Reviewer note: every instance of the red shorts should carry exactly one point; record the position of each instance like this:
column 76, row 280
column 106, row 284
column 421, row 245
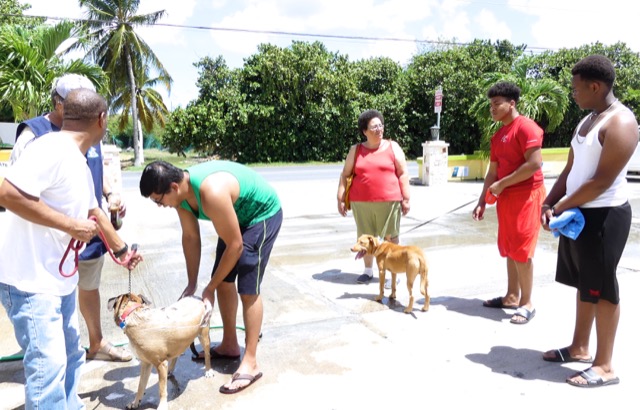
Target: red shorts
column 519, row 222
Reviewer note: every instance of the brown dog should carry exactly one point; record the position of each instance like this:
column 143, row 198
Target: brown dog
column 396, row 259
column 158, row 336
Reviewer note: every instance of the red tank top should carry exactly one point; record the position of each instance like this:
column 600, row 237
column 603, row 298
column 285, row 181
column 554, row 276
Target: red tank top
column 375, row 178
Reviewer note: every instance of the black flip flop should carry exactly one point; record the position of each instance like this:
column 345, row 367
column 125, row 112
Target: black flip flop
column 238, row 376
column 196, row 357
column 497, row 303
column 563, row 356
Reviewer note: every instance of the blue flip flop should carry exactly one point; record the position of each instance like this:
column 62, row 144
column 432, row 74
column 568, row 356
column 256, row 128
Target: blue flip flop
column 593, row 379
column 525, row 313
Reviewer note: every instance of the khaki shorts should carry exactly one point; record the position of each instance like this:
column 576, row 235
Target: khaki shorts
column 89, row 273
column 372, row 217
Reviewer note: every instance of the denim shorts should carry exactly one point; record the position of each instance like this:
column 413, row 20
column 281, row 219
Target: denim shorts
column 46, row 328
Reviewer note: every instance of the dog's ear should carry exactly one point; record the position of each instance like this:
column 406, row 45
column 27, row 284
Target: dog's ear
column 145, row 300
column 111, row 304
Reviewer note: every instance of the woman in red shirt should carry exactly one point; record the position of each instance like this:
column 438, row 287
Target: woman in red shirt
column 379, row 193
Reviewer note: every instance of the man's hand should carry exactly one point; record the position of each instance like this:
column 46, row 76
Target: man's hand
column 496, row 188
column 188, row 291
column 135, row 258
column 545, row 218
column 83, row 229
column 116, row 203
column 478, row 212
column 209, row 296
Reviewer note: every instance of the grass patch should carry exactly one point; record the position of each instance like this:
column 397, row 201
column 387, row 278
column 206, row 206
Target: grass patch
column 153, row 154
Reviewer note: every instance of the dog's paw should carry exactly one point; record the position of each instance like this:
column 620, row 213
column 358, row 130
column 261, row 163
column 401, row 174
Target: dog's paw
column 408, row 310
column 379, row 298
column 208, row 374
column 133, row 405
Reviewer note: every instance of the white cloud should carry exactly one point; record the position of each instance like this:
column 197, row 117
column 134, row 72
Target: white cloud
column 457, row 27
column 577, row 22
column 58, row 8
column 357, row 18
column 490, row 27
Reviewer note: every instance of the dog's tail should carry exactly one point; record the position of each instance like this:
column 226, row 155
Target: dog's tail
column 424, row 282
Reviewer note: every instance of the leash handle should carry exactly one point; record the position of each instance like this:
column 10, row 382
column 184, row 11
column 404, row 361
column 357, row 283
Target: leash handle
column 76, row 245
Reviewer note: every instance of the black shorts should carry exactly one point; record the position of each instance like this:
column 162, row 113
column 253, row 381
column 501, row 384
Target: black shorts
column 590, row 262
column 258, row 240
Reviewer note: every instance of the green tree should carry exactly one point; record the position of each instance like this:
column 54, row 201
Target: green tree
column 286, row 104
column 381, row 85
column 557, row 65
column 203, row 123
column 151, row 107
column 456, row 69
column 541, row 99
column 116, row 47
column 298, row 103
column 32, row 59
column 10, row 12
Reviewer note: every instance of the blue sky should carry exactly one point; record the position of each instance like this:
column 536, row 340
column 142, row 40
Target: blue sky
column 540, row 24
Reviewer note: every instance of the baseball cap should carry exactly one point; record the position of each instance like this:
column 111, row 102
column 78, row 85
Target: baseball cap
column 63, row 85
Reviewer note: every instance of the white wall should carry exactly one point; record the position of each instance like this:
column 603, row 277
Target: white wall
column 8, row 132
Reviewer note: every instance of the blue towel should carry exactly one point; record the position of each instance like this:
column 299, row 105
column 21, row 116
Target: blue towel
column 569, row 223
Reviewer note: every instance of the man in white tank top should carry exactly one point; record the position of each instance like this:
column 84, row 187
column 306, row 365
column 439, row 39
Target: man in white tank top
column 594, row 180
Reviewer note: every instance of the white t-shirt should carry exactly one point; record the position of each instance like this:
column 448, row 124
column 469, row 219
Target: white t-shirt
column 26, row 136
column 54, row 170
column 586, row 156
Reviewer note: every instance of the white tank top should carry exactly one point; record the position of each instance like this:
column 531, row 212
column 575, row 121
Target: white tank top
column 586, row 156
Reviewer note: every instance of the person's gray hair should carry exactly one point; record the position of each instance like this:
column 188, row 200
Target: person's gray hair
column 83, row 104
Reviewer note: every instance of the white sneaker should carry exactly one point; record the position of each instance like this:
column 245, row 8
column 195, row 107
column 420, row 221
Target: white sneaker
column 387, row 283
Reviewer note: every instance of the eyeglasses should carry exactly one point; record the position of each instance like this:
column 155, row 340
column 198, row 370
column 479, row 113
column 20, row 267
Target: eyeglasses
column 376, row 127
column 158, row 201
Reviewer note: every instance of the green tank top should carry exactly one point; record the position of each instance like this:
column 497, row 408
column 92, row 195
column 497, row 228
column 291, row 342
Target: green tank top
column 257, row 201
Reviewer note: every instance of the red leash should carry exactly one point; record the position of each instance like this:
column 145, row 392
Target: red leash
column 76, row 245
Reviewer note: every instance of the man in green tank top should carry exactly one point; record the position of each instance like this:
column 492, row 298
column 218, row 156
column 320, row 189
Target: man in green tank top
column 246, row 214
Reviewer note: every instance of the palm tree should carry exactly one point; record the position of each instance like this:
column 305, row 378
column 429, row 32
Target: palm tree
column 541, row 99
column 151, row 107
column 30, row 59
column 116, row 47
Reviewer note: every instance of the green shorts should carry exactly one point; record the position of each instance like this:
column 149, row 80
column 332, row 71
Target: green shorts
column 380, row 219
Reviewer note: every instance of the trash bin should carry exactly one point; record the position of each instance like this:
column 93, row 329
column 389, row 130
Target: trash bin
column 435, row 133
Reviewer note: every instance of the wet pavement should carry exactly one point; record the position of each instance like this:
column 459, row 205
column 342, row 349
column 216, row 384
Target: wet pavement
column 328, row 345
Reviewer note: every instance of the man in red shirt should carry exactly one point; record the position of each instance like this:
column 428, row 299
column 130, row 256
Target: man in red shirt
column 515, row 179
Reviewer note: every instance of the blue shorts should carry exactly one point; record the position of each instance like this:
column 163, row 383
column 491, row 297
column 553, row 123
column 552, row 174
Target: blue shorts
column 258, row 240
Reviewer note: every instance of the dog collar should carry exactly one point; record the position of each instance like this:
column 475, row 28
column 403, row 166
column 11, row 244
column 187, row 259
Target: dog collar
column 127, row 312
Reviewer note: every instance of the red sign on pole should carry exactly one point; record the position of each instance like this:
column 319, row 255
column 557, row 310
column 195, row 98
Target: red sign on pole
column 437, row 105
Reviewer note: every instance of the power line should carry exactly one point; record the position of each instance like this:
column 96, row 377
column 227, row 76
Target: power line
column 283, row 33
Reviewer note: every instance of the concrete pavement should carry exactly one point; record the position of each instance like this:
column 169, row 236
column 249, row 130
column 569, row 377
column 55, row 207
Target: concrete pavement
column 328, row 345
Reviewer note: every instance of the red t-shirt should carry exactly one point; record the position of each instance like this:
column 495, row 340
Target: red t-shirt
column 508, row 146
column 375, row 177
